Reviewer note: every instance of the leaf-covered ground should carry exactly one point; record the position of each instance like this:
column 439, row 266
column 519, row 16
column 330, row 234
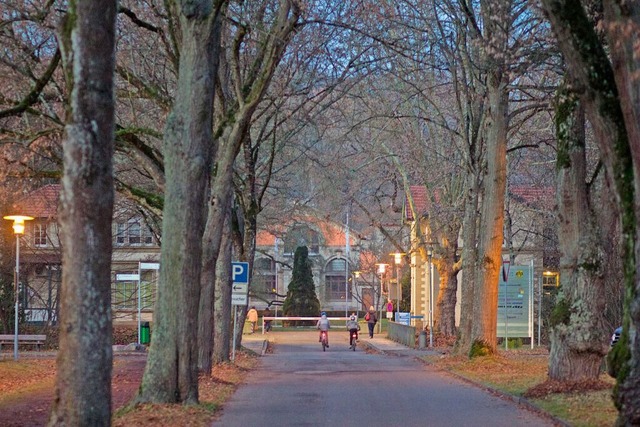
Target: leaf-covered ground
column 27, row 391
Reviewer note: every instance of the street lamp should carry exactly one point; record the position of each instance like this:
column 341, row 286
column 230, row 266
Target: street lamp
column 397, row 258
column 381, row 270
column 430, row 254
column 18, row 229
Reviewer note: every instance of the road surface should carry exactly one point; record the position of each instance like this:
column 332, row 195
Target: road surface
column 300, row 385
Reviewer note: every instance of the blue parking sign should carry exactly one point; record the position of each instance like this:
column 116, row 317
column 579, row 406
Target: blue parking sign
column 240, row 272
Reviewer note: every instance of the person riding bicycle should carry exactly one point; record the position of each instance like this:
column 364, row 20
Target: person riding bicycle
column 353, row 327
column 323, row 325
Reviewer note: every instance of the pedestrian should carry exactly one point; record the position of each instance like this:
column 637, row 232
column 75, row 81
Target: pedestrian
column 353, row 327
column 267, row 323
column 252, row 317
column 371, row 320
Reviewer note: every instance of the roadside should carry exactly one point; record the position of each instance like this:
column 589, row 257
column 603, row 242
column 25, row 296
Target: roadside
column 519, row 375
column 26, row 389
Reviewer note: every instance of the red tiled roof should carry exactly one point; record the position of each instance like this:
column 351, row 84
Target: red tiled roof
column 40, row 203
column 421, row 201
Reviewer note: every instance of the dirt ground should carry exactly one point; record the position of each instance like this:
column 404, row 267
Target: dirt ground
column 31, row 407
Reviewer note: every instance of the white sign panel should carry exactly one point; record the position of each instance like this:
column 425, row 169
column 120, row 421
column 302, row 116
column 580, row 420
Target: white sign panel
column 240, row 288
column 149, row 266
column 239, row 299
column 127, row 277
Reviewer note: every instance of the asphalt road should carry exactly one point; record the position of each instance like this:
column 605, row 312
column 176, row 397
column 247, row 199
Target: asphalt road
column 300, row 385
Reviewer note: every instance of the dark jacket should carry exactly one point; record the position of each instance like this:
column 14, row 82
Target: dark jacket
column 372, row 317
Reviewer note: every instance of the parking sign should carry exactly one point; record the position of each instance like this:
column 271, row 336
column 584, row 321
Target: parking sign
column 240, row 272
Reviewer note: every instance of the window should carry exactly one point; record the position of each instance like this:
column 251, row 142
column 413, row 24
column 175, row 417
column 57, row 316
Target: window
column 124, row 295
column 133, row 232
column 335, row 280
column 124, row 292
column 264, row 278
column 40, row 234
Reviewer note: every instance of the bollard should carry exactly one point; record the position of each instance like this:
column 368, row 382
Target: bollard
column 422, row 339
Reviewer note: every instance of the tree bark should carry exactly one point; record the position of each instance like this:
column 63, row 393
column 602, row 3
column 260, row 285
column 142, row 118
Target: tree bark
column 447, row 297
column 84, row 361
column 588, row 64
column 222, row 304
column 485, row 297
column 623, row 25
column 171, row 373
column 577, row 335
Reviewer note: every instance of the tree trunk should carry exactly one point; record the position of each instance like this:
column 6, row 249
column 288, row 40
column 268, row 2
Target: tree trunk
column 624, row 19
column 469, row 262
column 171, row 373
column 485, row 306
column 84, row 361
column 588, row 64
column 447, row 298
column 222, row 304
column 577, row 341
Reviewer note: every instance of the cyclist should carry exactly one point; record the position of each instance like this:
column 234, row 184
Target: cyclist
column 353, row 326
column 323, row 325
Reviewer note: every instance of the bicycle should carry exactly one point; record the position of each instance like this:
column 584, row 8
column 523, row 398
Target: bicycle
column 324, row 339
column 353, row 338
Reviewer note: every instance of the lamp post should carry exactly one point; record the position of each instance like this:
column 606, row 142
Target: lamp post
column 381, row 270
column 397, row 258
column 18, row 229
column 430, row 254
column 356, row 275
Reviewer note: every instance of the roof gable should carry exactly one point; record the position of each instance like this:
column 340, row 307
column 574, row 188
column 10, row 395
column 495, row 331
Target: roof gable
column 40, row 203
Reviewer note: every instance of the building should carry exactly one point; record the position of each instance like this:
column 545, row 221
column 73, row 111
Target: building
column 532, row 240
column 336, row 253
column 136, row 255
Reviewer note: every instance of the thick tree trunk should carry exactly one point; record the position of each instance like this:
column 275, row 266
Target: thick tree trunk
column 589, row 65
column 171, row 373
column 485, row 305
column 83, row 381
column 577, row 340
column 623, row 19
column 447, row 297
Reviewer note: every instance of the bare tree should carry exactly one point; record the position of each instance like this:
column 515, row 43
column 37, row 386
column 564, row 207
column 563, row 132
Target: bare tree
column 610, row 96
column 83, row 380
column 577, row 344
column 171, row 372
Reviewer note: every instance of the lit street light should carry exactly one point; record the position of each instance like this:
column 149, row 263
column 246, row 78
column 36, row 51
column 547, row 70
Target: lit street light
column 381, row 270
column 18, row 229
column 397, row 258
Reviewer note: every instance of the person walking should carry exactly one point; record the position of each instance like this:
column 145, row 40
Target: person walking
column 371, row 320
column 267, row 323
column 252, row 317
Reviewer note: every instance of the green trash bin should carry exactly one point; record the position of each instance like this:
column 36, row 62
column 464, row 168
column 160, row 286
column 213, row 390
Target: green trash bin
column 145, row 333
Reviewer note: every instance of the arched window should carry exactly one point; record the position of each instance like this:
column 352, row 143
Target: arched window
column 335, row 280
column 301, row 235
